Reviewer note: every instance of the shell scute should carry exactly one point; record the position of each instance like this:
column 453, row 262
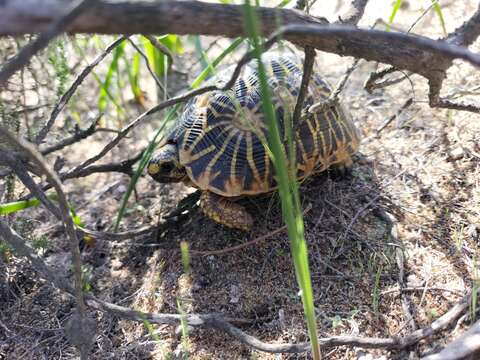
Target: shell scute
column 221, row 136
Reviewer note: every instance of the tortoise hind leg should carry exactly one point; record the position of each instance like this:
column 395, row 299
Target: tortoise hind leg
column 225, row 212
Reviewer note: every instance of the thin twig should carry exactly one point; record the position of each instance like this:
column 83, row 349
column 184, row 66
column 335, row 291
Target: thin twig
column 394, row 116
column 123, row 166
column 147, row 63
column 406, row 304
column 23, row 57
column 307, row 74
column 425, row 12
column 71, row 90
column 241, row 246
column 78, row 136
column 333, row 97
column 419, row 288
column 372, row 82
column 246, row 244
column 165, row 50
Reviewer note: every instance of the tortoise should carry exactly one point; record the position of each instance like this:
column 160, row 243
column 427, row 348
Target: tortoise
column 218, row 144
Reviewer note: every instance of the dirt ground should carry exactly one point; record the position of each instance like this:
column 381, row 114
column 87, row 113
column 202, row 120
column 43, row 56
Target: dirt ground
column 414, row 190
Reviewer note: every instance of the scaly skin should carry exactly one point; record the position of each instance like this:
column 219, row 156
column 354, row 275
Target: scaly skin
column 226, row 212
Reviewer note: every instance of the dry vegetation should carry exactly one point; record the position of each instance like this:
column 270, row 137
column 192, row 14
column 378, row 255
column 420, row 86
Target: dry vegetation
column 414, row 190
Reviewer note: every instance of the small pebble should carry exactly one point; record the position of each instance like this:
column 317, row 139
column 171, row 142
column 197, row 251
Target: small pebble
column 456, row 154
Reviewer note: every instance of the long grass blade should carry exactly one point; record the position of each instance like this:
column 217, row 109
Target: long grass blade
column 210, row 67
column 438, row 10
column 15, row 206
column 142, row 164
column 133, row 70
column 105, row 86
column 199, row 50
column 288, row 188
column 395, row 9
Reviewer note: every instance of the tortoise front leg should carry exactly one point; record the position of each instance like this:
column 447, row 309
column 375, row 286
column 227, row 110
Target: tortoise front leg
column 225, row 211
column 343, row 168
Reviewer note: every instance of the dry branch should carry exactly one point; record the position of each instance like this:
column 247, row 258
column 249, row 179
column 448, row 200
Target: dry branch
column 415, row 53
column 76, row 137
column 69, row 12
column 466, row 345
column 354, row 13
column 84, row 335
column 307, row 73
column 427, row 57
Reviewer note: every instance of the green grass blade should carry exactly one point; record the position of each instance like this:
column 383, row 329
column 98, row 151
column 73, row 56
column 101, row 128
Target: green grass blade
column 157, row 60
column 199, row 50
column 284, row 3
column 288, row 189
column 133, row 69
column 15, row 206
column 184, row 250
column 142, row 164
column 209, row 68
column 395, row 9
column 149, row 52
column 105, row 86
column 438, row 10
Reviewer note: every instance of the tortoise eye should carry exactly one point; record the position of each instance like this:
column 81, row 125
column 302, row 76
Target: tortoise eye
column 167, row 167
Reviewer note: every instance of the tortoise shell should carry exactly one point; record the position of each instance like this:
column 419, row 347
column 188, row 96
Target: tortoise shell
column 220, row 136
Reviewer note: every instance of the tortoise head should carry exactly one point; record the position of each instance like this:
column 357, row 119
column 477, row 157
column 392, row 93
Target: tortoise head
column 165, row 166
